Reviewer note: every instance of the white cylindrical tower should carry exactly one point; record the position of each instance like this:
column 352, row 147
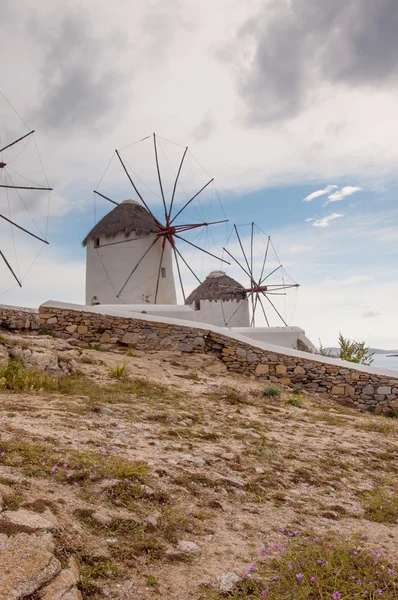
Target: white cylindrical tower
column 124, row 263
column 221, row 301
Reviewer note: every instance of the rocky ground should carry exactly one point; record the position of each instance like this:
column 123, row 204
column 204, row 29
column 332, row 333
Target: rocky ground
column 126, row 475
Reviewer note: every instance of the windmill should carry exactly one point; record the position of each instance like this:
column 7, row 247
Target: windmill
column 267, row 278
column 7, row 186
column 166, row 232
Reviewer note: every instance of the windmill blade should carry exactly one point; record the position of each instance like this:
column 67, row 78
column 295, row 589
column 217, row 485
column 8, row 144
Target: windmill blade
column 250, row 271
column 159, row 178
column 16, row 141
column 128, row 209
column 179, row 274
column 23, row 229
column 175, row 182
column 159, row 270
column 265, row 258
column 272, row 272
column 237, row 262
column 275, row 309
column 24, row 187
column 132, row 183
column 10, row 268
column 263, row 309
column 189, row 201
column 197, row 278
column 201, row 249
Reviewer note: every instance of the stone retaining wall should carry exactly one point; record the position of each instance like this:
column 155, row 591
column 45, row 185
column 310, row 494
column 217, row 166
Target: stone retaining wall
column 356, row 386
column 15, row 317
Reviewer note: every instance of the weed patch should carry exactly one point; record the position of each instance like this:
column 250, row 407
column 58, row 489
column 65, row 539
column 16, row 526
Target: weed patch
column 294, row 400
column 232, row 395
column 271, row 391
column 314, row 568
column 381, row 505
column 69, row 465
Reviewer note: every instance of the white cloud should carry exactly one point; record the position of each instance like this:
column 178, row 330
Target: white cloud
column 318, row 193
column 370, row 314
column 343, row 193
column 352, row 279
column 325, row 221
column 309, row 220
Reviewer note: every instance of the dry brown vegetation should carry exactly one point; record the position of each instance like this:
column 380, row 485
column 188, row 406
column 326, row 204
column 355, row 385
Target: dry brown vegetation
column 140, row 453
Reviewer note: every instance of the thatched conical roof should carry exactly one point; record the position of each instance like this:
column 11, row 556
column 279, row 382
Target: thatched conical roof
column 217, row 286
column 127, row 217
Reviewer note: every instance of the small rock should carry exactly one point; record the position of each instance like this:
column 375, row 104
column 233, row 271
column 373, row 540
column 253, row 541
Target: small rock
column 234, row 481
column 153, row 519
column 111, row 541
column 63, row 587
column 148, row 491
column 26, row 564
column 101, row 517
column 228, row 456
column 259, row 470
column 196, row 460
column 227, row 581
column 105, row 411
column 141, row 426
column 27, row 520
column 108, row 483
column 189, row 547
column 330, row 514
column 185, row 413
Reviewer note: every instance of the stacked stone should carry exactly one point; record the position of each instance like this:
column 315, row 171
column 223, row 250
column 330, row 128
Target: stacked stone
column 18, row 318
column 106, row 330
column 355, row 387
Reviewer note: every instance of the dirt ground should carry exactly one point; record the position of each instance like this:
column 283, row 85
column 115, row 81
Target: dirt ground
column 227, row 469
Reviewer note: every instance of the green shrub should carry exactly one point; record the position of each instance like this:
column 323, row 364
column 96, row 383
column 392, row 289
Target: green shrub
column 271, row 391
column 119, row 371
column 352, row 351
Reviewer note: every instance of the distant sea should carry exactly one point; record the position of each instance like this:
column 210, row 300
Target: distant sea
column 382, row 361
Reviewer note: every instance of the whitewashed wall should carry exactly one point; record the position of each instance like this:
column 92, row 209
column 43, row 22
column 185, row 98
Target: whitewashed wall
column 108, row 267
column 234, row 313
column 280, row 336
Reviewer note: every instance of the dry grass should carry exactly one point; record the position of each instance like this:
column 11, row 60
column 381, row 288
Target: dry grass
column 316, row 568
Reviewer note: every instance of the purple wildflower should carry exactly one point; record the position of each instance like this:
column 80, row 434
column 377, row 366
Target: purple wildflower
column 299, row 576
column 336, row 595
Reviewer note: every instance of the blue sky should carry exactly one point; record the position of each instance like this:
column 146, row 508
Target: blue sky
column 271, row 133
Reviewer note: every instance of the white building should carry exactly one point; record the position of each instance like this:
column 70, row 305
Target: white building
column 220, row 301
column 123, row 259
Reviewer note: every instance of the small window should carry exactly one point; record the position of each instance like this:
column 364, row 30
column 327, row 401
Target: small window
column 96, row 242
column 163, row 272
column 197, row 304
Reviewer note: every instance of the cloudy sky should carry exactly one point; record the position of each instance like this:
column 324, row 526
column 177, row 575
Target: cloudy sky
column 290, row 105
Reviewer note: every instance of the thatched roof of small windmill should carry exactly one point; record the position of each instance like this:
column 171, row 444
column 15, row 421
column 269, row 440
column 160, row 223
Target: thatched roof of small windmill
column 127, row 217
column 217, row 286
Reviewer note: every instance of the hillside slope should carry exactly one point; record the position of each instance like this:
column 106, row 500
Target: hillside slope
column 125, row 476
